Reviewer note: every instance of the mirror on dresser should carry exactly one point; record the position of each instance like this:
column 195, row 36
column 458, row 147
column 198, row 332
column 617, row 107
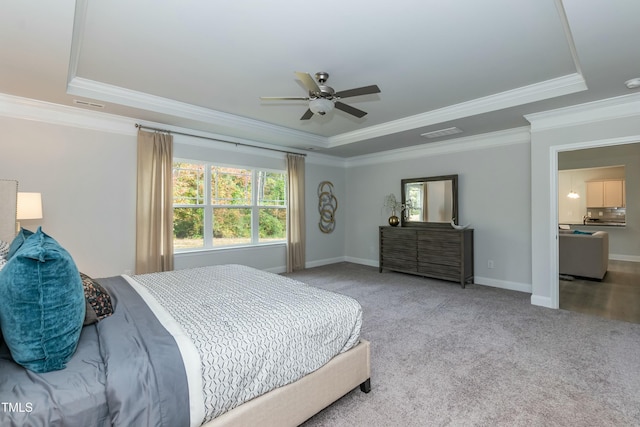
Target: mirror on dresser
column 430, row 201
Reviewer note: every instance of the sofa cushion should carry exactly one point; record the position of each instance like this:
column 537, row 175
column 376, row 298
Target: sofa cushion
column 42, row 304
column 584, row 255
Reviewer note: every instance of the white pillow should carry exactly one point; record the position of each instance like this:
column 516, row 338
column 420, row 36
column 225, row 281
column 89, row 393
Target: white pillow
column 2, row 262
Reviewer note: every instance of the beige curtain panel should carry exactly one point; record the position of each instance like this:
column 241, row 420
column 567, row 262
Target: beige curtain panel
column 154, row 208
column 296, row 215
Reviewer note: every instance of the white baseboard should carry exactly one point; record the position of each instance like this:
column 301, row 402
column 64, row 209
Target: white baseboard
column 321, row 262
column 363, row 261
column 632, row 258
column 502, row 284
column 541, row 301
column 327, row 261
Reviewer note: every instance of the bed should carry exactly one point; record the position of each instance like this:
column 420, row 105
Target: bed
column 211, row 346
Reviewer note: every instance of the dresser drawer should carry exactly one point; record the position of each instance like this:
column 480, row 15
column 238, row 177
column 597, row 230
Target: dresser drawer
column 398, row 234
column 438, row 238
column 441, row 253
column 439, row 271
column 400, row 264
column 440, row 258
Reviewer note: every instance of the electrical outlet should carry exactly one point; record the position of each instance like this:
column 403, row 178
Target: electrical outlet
column 600, row 213
column 490, row 263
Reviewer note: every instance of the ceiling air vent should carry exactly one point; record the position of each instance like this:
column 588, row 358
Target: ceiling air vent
column 441, row 132
column 87, row 103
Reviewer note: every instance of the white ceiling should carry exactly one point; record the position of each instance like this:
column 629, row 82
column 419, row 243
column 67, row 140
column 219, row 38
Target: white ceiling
column 201, row 65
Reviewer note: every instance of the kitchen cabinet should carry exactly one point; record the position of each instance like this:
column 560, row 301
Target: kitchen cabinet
column 605, row 193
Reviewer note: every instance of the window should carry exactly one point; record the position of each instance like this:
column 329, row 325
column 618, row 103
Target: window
column 219, row 206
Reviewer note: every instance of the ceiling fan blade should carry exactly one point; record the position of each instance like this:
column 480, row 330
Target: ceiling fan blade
column 308, row 82
column 349, row 109
column 365, row 90
column 307, row 115
column 285, row 98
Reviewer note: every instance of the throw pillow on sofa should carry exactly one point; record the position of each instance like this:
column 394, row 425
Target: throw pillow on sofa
column 42, row 304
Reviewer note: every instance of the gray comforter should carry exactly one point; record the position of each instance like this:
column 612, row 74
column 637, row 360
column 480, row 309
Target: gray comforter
column 126, row 371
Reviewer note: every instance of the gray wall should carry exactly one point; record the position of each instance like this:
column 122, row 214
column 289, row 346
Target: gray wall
column 325, row 248
column 87, row 179
column 549, row 136
column 493, row 185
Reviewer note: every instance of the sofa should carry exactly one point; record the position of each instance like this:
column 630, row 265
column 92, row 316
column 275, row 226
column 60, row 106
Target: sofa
column 583, row 254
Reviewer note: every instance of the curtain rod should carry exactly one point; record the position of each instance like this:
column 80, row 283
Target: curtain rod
column 139, row 126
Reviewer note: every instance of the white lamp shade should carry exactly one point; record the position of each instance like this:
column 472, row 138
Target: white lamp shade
column 29, row 206
column 321, row 106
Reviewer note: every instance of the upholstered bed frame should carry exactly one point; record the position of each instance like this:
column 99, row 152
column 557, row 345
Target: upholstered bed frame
column 294, row 403
column 8, row 208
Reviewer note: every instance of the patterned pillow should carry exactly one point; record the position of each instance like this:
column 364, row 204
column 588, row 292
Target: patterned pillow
column 98, row 299
column 4, row 249
column 2, row 263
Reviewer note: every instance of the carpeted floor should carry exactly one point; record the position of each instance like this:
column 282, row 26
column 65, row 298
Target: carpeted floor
column 446, row 356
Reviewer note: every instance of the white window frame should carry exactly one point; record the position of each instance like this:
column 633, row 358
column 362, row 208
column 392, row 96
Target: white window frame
column 208, row 207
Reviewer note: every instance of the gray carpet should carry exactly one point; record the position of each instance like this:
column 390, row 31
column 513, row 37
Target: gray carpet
column 446, row 356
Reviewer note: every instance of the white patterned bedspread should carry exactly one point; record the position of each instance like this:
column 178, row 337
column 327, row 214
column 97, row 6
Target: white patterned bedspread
column 254, row 331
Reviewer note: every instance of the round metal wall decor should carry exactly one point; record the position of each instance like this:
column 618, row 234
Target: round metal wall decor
column 327, row 206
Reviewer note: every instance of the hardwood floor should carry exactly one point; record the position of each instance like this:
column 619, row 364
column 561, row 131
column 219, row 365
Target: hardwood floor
column 617, row 296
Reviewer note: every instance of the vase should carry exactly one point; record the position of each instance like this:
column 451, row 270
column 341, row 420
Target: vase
column 393, row 219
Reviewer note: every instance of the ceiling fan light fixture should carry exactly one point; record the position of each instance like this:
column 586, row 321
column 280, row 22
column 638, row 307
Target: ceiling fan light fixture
column 321, row 106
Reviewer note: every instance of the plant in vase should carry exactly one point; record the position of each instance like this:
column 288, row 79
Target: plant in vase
column 391, row 203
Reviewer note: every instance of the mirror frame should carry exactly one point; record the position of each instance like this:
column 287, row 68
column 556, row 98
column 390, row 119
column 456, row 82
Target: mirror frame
column 454, row 201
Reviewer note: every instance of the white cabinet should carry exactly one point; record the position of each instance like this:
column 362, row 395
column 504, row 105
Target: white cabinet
column 605, row 193
column 613, row 193
column 595, row 194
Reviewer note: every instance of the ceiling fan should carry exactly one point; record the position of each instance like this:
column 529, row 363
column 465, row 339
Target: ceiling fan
column 322, row 98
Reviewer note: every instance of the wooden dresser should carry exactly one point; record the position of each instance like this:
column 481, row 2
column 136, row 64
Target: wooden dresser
column 441, row 253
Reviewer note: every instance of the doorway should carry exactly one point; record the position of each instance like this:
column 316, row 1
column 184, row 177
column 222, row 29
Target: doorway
column 617, row 295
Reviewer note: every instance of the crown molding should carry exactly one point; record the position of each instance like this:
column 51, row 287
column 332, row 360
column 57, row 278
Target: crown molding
column 48, row 112
column 605, row 109
column 41, row 111
column 536, row 92
column 118, row 95
column 520, row 135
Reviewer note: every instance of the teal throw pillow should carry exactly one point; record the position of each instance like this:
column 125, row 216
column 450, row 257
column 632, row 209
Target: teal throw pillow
column 42, row 304
column 17, row 242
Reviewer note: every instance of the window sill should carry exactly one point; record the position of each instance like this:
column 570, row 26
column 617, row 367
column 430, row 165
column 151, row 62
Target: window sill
column 201, row 251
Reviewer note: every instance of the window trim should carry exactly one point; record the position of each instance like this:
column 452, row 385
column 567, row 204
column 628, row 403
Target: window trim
column 208, row 208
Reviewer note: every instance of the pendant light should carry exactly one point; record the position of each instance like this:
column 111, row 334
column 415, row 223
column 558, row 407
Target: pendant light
column 572, row 194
